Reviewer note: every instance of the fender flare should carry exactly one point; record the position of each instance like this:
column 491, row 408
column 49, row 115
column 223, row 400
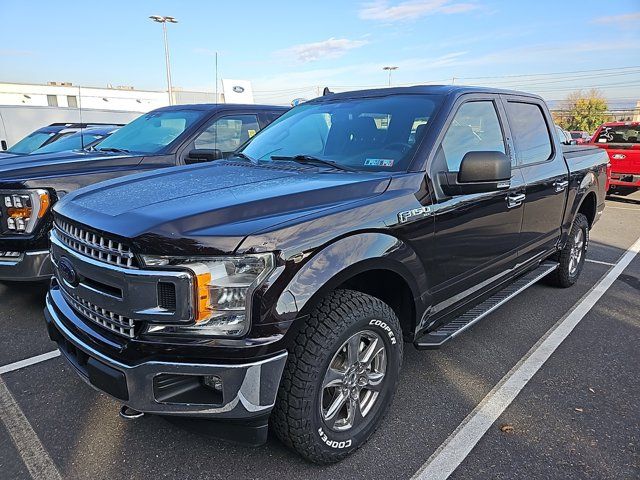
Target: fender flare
column 588, row 185
column 349, row 256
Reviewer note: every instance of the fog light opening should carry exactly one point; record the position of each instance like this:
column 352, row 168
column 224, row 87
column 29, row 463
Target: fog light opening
column 213, row 382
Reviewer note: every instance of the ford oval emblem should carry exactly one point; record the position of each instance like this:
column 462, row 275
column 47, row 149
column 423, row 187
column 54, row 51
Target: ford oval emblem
column 67, row 272
column 238, row 89
column 618, row 156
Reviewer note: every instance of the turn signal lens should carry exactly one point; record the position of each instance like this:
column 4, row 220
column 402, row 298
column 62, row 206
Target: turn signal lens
column 45, row 203
column 203, row 280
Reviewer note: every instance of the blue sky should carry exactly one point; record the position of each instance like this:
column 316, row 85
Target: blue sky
column 290, row 48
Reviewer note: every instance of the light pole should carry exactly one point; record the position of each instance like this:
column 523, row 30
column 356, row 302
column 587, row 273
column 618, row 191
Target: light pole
column 389, row 69
column 164, row 20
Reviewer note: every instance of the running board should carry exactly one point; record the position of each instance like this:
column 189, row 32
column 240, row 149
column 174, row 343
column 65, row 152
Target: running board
column 436, row 338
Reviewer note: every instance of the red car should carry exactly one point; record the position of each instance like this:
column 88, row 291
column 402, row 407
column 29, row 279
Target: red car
column 620, row 140
column 580, row 136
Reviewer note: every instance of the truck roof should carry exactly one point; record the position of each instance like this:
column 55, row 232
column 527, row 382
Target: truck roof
column 423, row 89
column 220, row 107
column 620, row 124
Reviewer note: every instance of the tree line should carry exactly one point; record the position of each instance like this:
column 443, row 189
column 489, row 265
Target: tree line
column 584, row 111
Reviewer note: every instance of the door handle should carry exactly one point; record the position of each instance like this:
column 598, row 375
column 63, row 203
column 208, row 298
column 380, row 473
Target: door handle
column 515, row 200
column 561, row 185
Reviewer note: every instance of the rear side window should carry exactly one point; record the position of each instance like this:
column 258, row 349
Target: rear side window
column 474, row 128
column 530, row 133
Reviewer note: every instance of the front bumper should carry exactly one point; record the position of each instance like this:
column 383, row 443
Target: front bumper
column 168, row 388
column 28, row 267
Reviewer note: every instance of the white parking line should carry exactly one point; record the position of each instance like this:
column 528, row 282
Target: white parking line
column 600, row 262
column 455, row 449
column 29, row 361
column 30, row 449
column 624, row 208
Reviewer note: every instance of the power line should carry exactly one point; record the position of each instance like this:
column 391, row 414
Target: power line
column 562, row 77
column 553, row 73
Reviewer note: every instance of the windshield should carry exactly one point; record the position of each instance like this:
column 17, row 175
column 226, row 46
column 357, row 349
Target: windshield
column 31, row 142
column 619, row 134
column 151, row 132
column 71, row 142
column 368, row 134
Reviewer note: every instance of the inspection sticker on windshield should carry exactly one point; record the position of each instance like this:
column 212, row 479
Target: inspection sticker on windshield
column 378, row 162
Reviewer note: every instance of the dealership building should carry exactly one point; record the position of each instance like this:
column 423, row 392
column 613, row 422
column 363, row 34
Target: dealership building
column 126, row 98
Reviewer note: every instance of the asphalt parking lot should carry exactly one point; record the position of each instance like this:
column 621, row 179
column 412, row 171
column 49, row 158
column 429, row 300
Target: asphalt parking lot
column 578, row 416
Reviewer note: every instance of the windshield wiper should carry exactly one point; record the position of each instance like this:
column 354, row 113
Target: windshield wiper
column 112, row 149
column 311, row 160
column 244, row 156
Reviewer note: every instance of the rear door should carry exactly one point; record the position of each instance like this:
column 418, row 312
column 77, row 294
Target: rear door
column 540, row 159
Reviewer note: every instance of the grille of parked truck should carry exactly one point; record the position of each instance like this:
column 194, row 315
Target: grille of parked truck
column 282, row 283
column 165, row 137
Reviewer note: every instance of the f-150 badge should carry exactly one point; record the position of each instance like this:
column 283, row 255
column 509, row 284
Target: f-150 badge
column 404, row 217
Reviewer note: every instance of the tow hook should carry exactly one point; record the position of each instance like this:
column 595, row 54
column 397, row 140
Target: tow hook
column 129, row 413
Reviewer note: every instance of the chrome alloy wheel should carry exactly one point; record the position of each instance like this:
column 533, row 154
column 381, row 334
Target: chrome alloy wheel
column 577, row 251
column 353, row 381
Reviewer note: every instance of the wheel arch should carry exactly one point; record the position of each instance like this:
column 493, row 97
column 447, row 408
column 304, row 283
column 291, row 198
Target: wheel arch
column 369, row 263
column 588, row 207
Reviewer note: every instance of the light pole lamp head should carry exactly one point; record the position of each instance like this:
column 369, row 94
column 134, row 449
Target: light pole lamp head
column 163, row 19
column 389, row 68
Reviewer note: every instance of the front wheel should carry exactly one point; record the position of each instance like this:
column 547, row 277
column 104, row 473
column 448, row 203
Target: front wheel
column 571, row 258
column 340, row 377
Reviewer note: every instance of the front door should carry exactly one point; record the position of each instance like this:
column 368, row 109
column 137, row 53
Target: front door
column 476, row 235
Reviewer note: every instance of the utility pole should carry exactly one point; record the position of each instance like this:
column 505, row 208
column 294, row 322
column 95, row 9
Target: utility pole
column 164, row 20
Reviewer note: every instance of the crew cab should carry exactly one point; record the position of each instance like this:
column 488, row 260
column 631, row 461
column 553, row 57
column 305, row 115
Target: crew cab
column 621, row 140
column 283, row 283
column 165, row 137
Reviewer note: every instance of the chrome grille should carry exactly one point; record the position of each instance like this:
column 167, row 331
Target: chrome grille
column 94, row 245
column 114, row 322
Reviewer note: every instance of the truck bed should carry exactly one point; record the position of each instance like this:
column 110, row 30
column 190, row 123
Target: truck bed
column 573, row 151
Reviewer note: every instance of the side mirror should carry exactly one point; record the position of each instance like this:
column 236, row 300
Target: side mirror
column 479, row 172
column 200, row 155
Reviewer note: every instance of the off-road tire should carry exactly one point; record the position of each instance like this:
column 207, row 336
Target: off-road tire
column 562, row 276
column 297, row 418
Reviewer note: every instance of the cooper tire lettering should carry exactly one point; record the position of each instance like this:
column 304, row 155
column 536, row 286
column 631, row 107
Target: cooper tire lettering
column 334, row 443
column 386, row 328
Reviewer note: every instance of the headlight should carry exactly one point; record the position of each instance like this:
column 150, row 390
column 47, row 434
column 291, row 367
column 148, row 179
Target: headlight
column 20, row 210
column 224, row 287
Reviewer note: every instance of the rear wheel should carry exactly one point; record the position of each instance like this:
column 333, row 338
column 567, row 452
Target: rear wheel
column 572, row 256
column 340, row 377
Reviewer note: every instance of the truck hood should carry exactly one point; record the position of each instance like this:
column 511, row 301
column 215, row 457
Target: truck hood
column 29, row 167
column 211, row 208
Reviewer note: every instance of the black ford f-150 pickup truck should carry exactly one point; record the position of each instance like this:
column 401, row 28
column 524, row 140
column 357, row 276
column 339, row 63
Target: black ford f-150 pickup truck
column 281, row 284
column 165, row 137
